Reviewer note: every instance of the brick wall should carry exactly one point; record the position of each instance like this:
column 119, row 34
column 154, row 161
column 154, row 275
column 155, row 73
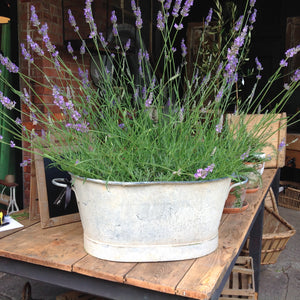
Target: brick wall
column 51, row 12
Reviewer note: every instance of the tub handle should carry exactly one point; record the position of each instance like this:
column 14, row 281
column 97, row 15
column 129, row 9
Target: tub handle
column 239, row 183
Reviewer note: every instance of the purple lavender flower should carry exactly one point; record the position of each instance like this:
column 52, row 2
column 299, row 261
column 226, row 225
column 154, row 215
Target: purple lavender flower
column 115, row 30
column 183, row 48
column 11, row 67
column 281, row 145
column 127, row 45
column 122, row 125
column 34, row 18
column 44, row 32
column 35, row 47
column 252, row 3
column 1, row 137
column 176, row 8
column 26, row 54
column 18, row 121
column 252, row 18
column 113, row 17
column 25, row 163
column 208, row 18
column 82, row 48
column 220, row 94
column 296, row 76
column 133, row 5
column 6, row 102
column 139, row 21
column 160, row 21
column 292, row 52
column 149, row 100
column 70, row 49
column 230, row 68
column 210, row 168
column 283, row 63
column 202, row 173
column 244, row 155
column 12, row 144
column 178, row 27
column 258, row 65
column 286, row 86
column 167, row 5
column 84, row 77
column 72, row 21
column 219, row 126
column 89, row 18
column 186, row 8
column 239, row 23
column 102, row 40
column 80, row 127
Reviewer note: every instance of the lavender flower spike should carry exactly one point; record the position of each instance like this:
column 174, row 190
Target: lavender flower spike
column 176, row 8
column 292, row 52
column 296, row 76
column 186, row 8
column 238, row 23
column 26, row 54
column 6, row 102
column 72, row 21
column 113, row 19
column 160, row 21
column 258, row 65
column 183, row 48
column 11, row 67
column 34, row 18
column 139, row 21
column 208, row 18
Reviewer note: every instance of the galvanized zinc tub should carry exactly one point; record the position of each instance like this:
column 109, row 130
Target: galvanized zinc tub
column 150, row 221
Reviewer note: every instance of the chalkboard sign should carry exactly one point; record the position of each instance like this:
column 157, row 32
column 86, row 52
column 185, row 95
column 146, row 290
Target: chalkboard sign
column 52, row 198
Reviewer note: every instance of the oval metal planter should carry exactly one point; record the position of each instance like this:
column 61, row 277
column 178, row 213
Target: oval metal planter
column 150, row 221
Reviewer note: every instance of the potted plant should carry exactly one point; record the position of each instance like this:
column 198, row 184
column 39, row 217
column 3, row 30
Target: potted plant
column 151, row 154
column 235, row 201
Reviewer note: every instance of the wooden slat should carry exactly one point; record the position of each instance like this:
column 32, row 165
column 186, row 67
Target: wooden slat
column 159, row 276
column 103, row 269
column 56, row 247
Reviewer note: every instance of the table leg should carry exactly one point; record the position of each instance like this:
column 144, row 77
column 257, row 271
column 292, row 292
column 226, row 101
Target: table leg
column 255, row 244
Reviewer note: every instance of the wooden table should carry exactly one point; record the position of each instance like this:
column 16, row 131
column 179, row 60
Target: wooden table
column 56, row 255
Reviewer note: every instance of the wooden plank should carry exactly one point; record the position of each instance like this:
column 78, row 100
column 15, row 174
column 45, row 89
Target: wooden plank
column 103, row 269
column 22, row 217
column 159, row 276
column 34, row 211
column 55, row 247
column 207, row 272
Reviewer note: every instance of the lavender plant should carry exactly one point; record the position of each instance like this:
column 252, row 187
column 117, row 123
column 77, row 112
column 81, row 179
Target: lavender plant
column 162, row 126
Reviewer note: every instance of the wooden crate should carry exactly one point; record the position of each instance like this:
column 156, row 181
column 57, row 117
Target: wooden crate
column 276, row 233
column 240, row 284
column 290, row 198
column 279, row 129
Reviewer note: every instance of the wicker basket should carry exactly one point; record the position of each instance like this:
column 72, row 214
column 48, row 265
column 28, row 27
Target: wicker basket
column 276, row 233
column 240, row 284
column 290, row 198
